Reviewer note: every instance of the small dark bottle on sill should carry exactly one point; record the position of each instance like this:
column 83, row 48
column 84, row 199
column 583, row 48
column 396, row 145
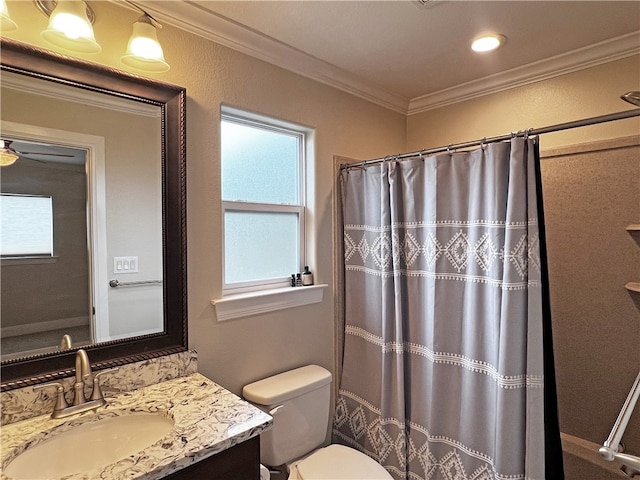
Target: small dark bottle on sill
column 307, row 276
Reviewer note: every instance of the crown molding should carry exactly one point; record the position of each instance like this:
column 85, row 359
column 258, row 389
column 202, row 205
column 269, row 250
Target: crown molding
column 580, row 59
column 36, row 86
column 194, row 18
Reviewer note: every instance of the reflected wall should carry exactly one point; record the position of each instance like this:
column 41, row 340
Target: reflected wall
column 130, row 203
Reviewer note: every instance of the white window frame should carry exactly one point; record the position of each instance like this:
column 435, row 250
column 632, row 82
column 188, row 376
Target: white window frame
column 230, row 114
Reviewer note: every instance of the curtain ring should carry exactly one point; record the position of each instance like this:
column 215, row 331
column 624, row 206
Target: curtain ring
column 422, row 155
column 449, row 149
column 528, row 134
column 483, row 143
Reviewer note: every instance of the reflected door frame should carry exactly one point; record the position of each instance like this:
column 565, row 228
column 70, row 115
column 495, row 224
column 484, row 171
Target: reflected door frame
column 94, row 145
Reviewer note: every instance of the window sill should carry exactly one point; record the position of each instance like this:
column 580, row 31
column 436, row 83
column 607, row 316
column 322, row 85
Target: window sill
column 264, row 301
column 26, row 260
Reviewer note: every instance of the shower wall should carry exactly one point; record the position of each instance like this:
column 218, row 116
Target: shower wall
column 591, row 194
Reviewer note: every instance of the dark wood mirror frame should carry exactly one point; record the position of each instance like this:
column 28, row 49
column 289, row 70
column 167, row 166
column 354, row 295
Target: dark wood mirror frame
column 37, row 63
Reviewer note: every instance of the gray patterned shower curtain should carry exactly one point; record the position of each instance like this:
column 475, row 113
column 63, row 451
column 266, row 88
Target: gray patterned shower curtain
column 444, row 298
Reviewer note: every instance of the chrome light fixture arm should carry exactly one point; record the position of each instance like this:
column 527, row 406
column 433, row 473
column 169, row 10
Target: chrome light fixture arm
column 153, row 20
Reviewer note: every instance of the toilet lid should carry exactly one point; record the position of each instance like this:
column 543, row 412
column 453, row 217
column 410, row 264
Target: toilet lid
column 339, row 462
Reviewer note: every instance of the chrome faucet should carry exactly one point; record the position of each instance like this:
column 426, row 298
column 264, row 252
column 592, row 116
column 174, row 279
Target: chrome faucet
column 80, row 402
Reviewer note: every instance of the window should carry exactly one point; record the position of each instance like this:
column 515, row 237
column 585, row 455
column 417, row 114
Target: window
column 263, row 201
column 26, row 225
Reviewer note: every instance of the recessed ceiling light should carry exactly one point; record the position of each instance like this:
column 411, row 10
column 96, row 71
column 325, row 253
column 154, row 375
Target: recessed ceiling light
column 486, row 43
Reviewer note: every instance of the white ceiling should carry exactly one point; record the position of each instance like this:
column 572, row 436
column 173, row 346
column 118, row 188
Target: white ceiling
column 411, row 57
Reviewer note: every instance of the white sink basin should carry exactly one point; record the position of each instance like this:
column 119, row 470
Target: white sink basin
column 89, row 445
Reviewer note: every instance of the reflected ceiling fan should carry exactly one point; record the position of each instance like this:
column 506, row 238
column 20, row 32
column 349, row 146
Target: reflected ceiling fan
column 8, row 155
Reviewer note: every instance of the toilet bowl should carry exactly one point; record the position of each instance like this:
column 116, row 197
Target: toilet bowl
column 264, row 473
column 337, row 462
column 299, row 401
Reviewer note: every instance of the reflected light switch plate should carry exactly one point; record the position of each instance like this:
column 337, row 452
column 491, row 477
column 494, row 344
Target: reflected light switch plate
column 125, row 265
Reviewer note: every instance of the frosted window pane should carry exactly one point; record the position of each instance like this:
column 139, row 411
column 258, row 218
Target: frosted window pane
column 259, row 165
column 260, row 245
column 26, row 225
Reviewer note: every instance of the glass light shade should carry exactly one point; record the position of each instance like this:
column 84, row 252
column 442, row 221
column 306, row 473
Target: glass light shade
column 144, row 51
column 487, row 43
column 6, row 24
column 70, row 28
column 7, row 157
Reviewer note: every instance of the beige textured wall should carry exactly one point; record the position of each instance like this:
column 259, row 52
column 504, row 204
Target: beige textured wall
column 243, row 350
column 237, row 352
column 583, row 94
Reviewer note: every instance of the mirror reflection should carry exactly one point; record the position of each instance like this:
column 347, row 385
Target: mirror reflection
column 81, row 238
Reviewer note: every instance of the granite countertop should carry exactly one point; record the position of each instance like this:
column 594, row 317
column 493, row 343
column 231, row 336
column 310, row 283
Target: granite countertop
column 207, row 420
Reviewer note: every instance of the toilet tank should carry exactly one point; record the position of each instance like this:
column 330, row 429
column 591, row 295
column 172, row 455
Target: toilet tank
column 299, row 402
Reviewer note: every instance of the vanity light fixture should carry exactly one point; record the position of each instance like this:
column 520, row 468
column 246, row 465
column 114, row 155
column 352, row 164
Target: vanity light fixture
column 70, row 25
column 6, row 24
column 8, row 155
column 144, row 51
column 487, row 43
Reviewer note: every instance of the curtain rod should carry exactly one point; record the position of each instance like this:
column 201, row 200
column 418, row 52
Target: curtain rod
column 521, row 133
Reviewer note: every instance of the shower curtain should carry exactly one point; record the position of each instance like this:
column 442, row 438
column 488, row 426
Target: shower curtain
column 447, row 368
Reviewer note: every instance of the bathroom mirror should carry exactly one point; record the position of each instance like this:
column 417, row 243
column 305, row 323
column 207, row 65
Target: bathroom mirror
column 142, row 173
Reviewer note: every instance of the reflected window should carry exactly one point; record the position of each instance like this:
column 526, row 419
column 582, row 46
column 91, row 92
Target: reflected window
column 263, row 199
column 26, row 225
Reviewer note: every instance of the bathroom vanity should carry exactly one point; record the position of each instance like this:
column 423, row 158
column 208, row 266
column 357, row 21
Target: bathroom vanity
column 240, row 462
column 215, row 434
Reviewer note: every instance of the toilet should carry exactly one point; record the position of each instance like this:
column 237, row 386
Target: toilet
column 299, row 402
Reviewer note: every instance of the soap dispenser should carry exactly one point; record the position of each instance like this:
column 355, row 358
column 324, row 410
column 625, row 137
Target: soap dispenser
column 307, row 277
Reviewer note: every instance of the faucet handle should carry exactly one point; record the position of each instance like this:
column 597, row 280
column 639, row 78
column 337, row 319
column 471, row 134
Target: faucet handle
column 61, row 402
column 97, row 391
